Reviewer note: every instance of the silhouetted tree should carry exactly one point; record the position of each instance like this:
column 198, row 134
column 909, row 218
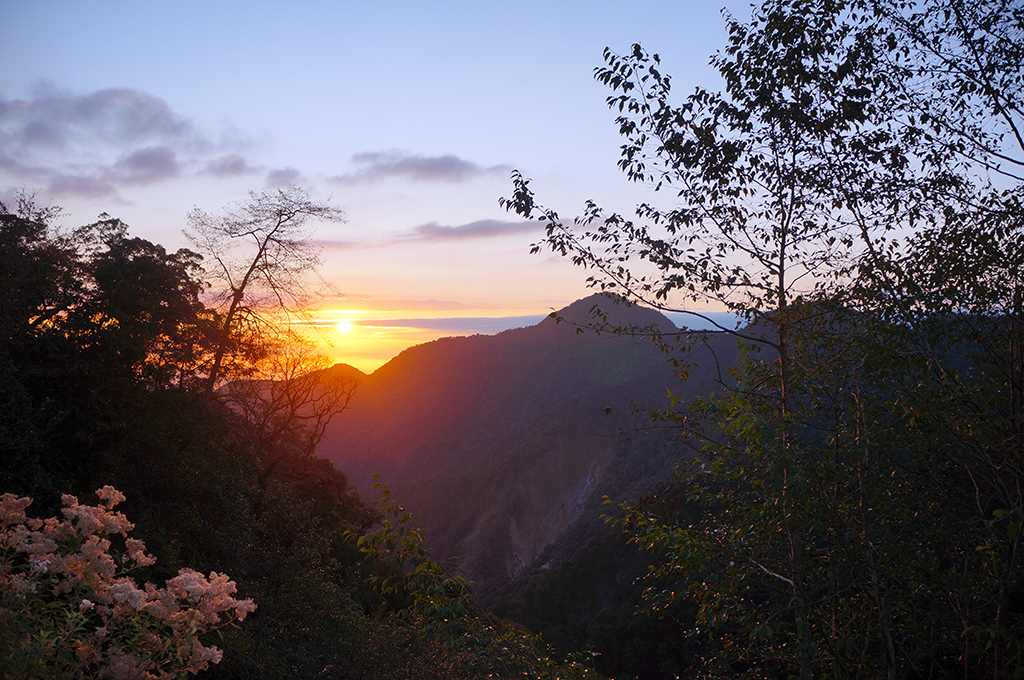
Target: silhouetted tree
column 261, row 252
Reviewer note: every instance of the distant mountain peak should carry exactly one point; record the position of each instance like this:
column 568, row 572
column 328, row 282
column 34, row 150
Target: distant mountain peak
column 342, row 370
column 608, row 311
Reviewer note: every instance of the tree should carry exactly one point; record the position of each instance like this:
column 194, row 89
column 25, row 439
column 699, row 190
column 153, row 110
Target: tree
column 287, row 411
column 38, row 272
column 449, row 635
column 91, row 318
column 103, row 341
column 751, row 228
column 152, row 298
column 261, row 252
column 951, row 299
column 957, row 64
column 837, row 133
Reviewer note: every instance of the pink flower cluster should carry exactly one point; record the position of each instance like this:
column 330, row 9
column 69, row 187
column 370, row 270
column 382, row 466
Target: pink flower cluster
column 65, row 594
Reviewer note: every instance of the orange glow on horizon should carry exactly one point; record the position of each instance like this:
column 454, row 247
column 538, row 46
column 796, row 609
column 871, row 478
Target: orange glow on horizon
column 369, row 347
column 355, row 337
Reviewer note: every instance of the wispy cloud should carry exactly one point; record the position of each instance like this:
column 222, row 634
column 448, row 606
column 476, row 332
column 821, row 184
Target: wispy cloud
column 282, row 177
column 231, row 165
column 86, row 186
column 146, row 166
column 432, row 231
column 484, row 325
column 51, row 119
column 459, row 325
column 333, row 244
column 377, row 166
column 361, row 302
column 93, row 144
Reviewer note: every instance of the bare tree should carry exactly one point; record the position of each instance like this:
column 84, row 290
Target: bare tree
column 261, row 251
column 288, row 407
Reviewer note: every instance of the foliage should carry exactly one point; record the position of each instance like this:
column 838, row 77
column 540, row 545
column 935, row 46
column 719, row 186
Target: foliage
column 438, row 605
column 288, row 404
column 851, row 498
column 69, row 608
column 592, row 599
column 103, row 387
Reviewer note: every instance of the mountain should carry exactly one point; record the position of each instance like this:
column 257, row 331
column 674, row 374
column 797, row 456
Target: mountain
column 504, row 446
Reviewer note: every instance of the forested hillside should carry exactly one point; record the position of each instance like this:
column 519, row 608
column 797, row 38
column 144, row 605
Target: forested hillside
column 106, row 349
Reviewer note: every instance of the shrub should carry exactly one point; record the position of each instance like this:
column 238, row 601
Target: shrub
column 68, row 607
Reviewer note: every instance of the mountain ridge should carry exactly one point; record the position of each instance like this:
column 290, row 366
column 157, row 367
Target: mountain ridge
column 499, row 444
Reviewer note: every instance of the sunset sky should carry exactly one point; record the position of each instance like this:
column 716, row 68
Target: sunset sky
column 408, row 116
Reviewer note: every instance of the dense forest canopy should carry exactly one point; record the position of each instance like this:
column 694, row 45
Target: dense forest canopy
column 849, row 502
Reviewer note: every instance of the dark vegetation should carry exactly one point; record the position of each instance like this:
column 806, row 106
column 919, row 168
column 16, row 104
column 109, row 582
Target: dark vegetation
column 593, row 599
column 849, row 502
column 510, row 448
column 106, row 348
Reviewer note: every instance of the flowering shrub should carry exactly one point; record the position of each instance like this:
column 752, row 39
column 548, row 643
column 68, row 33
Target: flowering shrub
column 69, row 609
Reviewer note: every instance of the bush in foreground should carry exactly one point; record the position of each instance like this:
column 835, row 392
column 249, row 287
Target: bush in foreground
column 68, row 607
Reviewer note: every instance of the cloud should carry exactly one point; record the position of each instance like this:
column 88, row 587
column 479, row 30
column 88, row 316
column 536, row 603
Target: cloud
column 485, row 325
column 362, row 302
column 231, row 165
column 465, row 325
column 85, row 186
column 282, row 177
column 50, row 119
column 94, row 144
column 432, row 231
column 328, row 244
column 146, row 166
column 382, row 165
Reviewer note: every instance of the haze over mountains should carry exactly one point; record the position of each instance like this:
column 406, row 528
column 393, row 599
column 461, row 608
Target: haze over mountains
column 504, row 446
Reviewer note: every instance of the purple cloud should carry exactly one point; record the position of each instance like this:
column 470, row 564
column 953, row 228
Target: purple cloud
column 147, row 166
column 381, row 165
column 485, row 324
column 432, row 231
column 86, row 186
column 112, row 116
column 117, row 136
column 231, row 165
column 470, row 325
column 282, row 177
column 330, row 244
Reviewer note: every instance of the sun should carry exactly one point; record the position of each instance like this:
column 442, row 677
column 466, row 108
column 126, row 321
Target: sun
column 344, row 326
